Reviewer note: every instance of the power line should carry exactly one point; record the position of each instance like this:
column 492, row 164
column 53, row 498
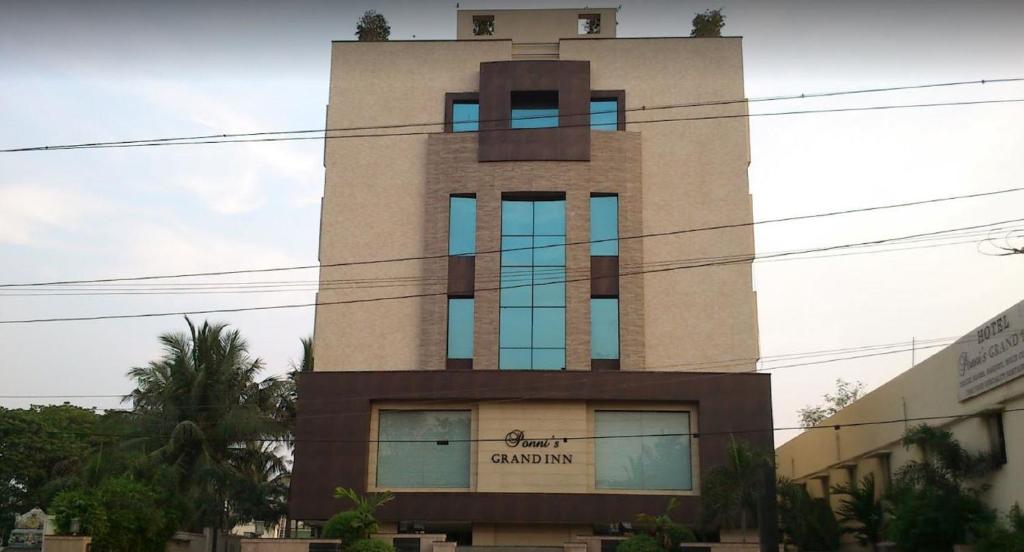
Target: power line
column 225, row 137
column 884, row 107
column 499, row 251
column 567, row 438
column 327, row 285
column 743, row 259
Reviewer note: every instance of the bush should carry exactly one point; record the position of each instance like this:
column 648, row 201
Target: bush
column 121, row 515
column 370, row 545
column 1004, row 536
column 342, row 526
column 677, row 534
column 639, row 543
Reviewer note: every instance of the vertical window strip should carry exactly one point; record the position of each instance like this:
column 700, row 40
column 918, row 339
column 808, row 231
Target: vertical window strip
column 604, row 329
column 460, row 328
column 604, row 225
column 462, row 225
column 532, row 311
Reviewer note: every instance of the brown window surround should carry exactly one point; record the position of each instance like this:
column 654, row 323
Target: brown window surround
column 452, row 98
column 617, row 95
column 569, row 141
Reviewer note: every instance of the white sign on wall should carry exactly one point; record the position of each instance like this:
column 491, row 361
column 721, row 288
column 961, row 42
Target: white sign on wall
column 993, row 354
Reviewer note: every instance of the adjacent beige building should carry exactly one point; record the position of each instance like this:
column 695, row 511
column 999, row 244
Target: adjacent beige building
column 972, row 388
column 521, row 325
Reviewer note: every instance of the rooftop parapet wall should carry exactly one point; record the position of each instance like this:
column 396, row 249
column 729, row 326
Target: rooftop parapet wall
column 535, row 26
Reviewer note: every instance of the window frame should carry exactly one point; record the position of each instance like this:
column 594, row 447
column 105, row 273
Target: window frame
column 694, row 422
column 373, row 460
column 533, row 199
column 619, row 96
column 452, row 98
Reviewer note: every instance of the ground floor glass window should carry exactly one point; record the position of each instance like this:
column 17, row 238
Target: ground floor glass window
column 423, row 449
column 643, row 451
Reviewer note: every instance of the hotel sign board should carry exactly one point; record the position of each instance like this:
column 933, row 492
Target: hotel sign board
column 992, row 355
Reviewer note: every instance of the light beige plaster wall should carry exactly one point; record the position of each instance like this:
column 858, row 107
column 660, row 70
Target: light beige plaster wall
column 374, row 191
column 526, row 535
column 925, row 391
column 694, row 174
column 525, row 26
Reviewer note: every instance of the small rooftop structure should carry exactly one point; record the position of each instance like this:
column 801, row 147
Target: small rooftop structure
column 536, row 26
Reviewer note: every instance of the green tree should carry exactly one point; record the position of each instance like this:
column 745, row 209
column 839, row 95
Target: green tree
column 38, row 446
column 372, row 27
column 198, row 409
column 805, row 522
column 708, row 24
column 931, row 506
column 861, row 512
column 846, row 393
column 731, row 489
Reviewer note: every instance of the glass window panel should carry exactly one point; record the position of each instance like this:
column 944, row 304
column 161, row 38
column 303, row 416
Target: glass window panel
column 604, row 115
column 530, row 117
column 549, row 256
column 514, row 359
column 465, row 117
column 516, row 251
column 514, row 327
column 604, row 328
column 650, row 462
column 549, row 287
column 549, row 327
column 423, row 464
column 460, row 328
column 516, row 287
column 516, row 218
column 549, row 218
column 462, row 226
column 548, row 359
column 604, row 225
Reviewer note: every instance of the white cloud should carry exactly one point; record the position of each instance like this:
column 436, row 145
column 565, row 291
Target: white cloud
column 27, row 211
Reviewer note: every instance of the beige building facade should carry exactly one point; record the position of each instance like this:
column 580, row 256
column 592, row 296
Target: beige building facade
column 535, row 348
column 973, row 388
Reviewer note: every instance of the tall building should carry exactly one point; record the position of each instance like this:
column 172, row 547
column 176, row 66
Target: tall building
column 540, row 353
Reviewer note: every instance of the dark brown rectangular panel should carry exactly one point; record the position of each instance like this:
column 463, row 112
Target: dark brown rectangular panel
column 452, row 98
column 604, row 364
column 604, row 276
column 461, row 275
column 570, row 141
column 458, row 364
column 332, row 436
column 617, row 95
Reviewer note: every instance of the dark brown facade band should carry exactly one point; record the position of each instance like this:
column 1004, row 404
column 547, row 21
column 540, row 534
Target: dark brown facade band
column 604, row 276
column 332, row 436
column 570, row 141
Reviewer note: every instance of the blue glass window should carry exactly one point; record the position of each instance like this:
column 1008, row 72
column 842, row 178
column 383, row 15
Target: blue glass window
column 532, row 315
column 534, row 110
column 604, row 114
column 465, row 117
column 604, row 328
column 604, row 226
column 462, row 225
column 460, row 328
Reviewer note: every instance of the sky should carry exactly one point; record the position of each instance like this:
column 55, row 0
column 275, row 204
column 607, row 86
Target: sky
column 88, row 71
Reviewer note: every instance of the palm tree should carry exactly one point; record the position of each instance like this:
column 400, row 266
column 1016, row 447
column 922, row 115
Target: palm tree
column 199, row 409
column 731, row 490
column 860, row 512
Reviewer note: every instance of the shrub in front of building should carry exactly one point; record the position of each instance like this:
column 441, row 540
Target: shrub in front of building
column 370, row 545
column 1004, row 535
column 640, row 543
column 344, row 526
